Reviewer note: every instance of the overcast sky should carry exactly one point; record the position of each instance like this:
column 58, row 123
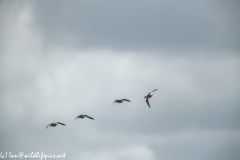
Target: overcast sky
column 60, row 59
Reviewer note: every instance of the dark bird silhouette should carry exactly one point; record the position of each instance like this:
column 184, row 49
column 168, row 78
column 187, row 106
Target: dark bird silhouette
column 149, row 96
column 83, row 116
column 55, row 124
column 120, row 101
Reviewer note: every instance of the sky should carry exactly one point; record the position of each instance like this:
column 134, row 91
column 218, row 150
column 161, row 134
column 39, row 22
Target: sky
column 60, row 59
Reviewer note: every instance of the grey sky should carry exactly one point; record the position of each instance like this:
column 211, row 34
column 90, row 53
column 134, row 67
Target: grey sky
column 59, row 59
column 138, row 25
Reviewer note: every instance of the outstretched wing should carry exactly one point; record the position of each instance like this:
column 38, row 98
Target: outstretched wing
column 126, row 100
column 113, row 102
column 148, row 102
column 89, row 117
column 61, row 123
column 153, row 90
column 76, row 118
column 48, row 125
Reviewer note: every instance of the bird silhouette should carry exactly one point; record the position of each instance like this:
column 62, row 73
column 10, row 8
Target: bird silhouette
column 149, row 96
column 55, row 124
column 120, row 101
column 83, row 116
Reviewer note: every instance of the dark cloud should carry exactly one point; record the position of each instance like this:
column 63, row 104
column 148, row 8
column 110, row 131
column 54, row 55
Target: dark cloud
column 138, row 25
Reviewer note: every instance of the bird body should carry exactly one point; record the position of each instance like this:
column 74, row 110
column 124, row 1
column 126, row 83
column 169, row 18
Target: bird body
column 83, row 116
column 149, row 96
column 55, row 124
column 120, row 101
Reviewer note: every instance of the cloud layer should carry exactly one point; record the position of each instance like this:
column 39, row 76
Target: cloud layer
column 45, row 78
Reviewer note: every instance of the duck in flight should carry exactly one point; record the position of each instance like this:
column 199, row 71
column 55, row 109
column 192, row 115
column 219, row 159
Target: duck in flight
column 120, row 101
column 55, row 124
column 149, row 96
column 83, row 116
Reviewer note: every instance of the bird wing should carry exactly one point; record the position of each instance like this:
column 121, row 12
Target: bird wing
column 75, row 118
column 153, row 90
column 61, row 123
column 148, row 102
column 48, row 125
column 89, row 117
column 113, row 102
column 126, row 100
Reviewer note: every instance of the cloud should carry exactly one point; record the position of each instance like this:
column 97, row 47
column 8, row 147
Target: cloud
column 194, row 114
column 139, row 25
column 135, row 152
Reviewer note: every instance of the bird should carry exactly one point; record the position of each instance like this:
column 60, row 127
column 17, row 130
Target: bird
column 120, row 101
column 149, row 96
column 55, row 124
column 83, row 116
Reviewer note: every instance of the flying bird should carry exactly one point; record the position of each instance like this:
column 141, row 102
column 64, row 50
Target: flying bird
column 83, row 116
column 55, row 124
column 149, row 96
column 120, row 101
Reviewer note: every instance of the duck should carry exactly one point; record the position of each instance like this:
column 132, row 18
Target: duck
column 149, row 96
column 121, row 100
column 55, row 124
column 83, row 116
